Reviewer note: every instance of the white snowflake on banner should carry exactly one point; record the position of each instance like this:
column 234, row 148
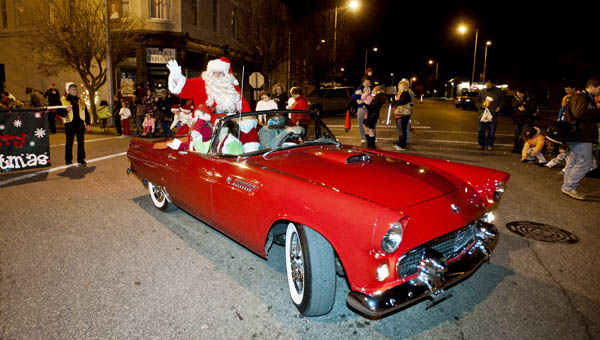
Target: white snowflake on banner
column 40, row 133
column 17, row 123
column 32, row 143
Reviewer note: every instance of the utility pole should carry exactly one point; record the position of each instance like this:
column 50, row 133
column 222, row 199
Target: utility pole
column 109, row 65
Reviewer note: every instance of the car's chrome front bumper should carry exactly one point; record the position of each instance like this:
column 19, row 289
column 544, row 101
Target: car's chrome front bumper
column 434, row 275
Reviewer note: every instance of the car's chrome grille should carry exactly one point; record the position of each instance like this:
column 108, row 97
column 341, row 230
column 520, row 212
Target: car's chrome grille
column 450, row 245
column 243, row 185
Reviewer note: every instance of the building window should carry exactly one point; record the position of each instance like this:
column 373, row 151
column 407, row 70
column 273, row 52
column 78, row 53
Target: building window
column 3, row 14
column 124, row 7
column 234, row 18
column 195, row 12
column 160, row 9
column 215, row 15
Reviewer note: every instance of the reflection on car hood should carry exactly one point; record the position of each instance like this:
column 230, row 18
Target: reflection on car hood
column 387, row 181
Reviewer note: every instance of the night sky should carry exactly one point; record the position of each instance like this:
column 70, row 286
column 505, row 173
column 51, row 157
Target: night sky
column 533, row 44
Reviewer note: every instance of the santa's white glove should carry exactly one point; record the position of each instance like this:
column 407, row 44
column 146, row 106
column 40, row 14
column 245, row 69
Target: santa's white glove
column 296, row 130
column 176, row 79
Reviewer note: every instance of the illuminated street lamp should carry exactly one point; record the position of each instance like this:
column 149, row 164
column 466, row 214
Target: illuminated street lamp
column 462, row 29
column 431, row 62
column 353, row 5
column 488, row 43
column 375, row 49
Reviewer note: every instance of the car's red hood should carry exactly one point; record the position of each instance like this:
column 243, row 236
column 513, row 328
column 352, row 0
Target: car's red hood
column 387, row 181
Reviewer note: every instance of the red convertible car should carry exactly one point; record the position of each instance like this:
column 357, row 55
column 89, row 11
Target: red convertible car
column 401, row 228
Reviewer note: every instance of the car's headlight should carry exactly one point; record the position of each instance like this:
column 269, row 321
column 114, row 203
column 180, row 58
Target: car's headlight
column 498, row 191
column 391, row 240
column 489, row 217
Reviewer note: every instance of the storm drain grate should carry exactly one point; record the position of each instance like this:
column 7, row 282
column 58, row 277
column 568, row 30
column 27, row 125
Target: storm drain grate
column 541, row 232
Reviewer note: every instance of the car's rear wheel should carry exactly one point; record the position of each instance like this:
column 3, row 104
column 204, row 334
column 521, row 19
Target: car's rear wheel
column 310, row 267
column 160, row 198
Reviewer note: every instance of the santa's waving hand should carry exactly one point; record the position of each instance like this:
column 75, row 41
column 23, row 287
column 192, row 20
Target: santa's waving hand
column 176, row 79
column 215, row 91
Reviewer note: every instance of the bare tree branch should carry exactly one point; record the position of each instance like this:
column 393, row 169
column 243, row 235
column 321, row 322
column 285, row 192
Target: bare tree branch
column 66, row 34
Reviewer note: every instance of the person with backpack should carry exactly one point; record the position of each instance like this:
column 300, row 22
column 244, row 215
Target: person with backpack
column 583, row 113
column 523, row 110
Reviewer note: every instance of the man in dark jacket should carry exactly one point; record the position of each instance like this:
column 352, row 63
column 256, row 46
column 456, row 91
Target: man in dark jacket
column 523, row 110
column 53, row 97
column 582, row 112
column 163, row 105
column 493, row 99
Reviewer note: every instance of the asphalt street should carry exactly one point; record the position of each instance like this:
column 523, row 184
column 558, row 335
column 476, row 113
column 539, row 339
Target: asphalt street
column 85, row 255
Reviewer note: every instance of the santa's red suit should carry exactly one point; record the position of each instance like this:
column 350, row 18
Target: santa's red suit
column 215, row 92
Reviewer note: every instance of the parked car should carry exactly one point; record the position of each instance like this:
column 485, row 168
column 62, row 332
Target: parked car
column 466, row 101
column 331, row 99
column 411, row 229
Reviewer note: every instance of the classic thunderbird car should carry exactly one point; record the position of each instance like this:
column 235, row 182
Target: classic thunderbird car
column 401, row 228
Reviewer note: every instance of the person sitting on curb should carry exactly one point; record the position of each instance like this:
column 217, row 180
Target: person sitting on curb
column 533, row 143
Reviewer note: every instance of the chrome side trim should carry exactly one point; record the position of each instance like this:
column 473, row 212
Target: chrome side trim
column 434, row 276
column 243, row 185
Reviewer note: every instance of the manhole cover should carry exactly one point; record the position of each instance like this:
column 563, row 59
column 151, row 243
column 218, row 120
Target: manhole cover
column 541, row 232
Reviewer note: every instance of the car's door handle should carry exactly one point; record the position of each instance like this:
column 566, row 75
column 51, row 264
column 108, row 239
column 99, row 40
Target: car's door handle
column 171, row 157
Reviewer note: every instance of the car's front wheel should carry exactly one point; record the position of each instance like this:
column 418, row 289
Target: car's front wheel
column 310, row 267
column 160, row 198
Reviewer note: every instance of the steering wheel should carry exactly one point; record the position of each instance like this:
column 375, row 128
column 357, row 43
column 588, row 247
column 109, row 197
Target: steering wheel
column 289, row 140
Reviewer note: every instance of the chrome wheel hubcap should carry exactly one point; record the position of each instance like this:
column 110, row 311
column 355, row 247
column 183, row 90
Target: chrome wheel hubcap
column 296, row 263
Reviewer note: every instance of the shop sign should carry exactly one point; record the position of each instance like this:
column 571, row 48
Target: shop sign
column 127, row 87
column 160, row 56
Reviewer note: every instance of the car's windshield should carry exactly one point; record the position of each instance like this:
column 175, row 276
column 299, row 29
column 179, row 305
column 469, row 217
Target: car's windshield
column 264, row 132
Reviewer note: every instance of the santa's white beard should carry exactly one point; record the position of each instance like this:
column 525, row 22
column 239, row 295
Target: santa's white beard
column 222, row 93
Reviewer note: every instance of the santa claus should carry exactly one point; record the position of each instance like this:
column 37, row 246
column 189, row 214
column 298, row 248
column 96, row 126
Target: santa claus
column 215, row 92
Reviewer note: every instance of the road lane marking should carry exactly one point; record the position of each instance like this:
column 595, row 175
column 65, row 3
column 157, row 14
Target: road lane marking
column 15, row 179
column 90, row 140
column 392, row 127
column 425, row 130
column 428, row 140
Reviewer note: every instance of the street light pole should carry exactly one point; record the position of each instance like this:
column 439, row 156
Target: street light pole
column 462, row 30
column 366, row 53
column 474, row 56
column 334, row 45
column 489, row 43
column 109, row 64
column 436, row 68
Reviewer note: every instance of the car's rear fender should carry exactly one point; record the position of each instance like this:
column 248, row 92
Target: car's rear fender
column 146, row 162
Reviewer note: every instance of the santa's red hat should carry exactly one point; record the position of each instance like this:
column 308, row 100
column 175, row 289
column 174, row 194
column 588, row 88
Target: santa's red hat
column 219, row 65
column 175, row 108
column 186, row 109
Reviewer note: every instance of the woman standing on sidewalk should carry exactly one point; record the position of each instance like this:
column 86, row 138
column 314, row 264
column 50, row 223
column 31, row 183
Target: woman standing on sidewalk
column 362, row 91
column 402, row 112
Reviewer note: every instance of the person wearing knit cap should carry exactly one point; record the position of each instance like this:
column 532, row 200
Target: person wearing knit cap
column 216, row 90
column 199, row 140
column 184, row 119
column 249, row 134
